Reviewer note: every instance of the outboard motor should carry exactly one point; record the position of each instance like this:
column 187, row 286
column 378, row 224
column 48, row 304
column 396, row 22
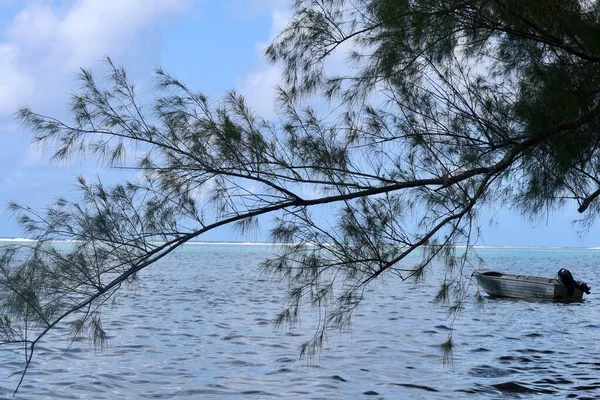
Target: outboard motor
column 584, row 287
column 566, row 278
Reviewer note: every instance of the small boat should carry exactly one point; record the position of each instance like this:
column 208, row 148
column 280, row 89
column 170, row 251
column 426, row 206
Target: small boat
column 564, row 287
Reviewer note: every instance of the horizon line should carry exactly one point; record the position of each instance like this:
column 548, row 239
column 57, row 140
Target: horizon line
column 262, row 243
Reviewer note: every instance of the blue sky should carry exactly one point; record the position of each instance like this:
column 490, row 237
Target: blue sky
column 212, row 45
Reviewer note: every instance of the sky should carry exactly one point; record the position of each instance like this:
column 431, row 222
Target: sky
column 211, row 45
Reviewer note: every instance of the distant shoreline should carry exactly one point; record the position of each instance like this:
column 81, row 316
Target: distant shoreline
column 246, row 243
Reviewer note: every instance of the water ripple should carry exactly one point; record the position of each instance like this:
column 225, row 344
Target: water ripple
column 199, row 326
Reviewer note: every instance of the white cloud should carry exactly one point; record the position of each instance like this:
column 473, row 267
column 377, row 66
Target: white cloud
column 47, row 42
column 258, row 87
column 281, row 16
column 259, row 90
column 15, row 86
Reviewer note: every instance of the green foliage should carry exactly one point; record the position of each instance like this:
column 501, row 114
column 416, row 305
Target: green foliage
column 447, row 349
column 442, row 108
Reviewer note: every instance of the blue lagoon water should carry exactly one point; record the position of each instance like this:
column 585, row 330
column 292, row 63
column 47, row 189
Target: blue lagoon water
column 198, row 325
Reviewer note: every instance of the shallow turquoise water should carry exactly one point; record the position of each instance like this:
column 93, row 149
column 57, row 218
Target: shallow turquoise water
column 198, row 325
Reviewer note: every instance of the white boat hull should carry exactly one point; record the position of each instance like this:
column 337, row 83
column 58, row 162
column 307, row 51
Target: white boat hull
column 497, row 284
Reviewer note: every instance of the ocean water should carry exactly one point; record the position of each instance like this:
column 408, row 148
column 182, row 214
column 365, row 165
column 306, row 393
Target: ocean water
column 198, row 325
